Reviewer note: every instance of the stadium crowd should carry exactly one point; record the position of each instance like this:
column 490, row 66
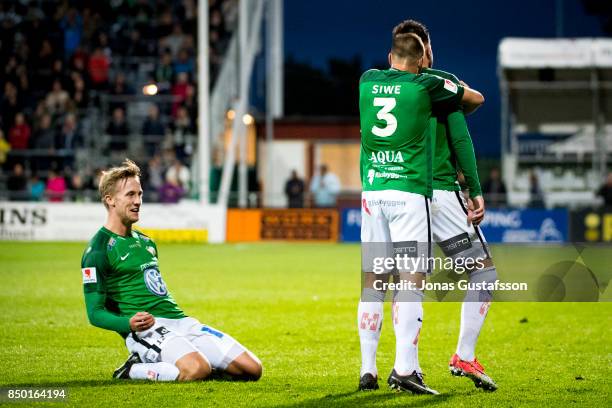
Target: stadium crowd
column 71, row 71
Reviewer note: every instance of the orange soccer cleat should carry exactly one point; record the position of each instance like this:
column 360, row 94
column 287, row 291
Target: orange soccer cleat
column 472, row 370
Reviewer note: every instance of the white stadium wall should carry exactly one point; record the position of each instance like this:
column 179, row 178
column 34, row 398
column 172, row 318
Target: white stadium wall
column 183, row 222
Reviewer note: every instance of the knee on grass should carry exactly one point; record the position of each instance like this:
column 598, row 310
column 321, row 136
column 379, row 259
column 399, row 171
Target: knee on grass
column 192, row 367
column 246, row 367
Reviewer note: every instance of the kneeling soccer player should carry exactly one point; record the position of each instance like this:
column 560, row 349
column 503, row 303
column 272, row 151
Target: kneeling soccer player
column 125, row 292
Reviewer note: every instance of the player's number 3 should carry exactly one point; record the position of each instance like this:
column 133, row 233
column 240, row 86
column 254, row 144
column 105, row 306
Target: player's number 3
column 384, row 114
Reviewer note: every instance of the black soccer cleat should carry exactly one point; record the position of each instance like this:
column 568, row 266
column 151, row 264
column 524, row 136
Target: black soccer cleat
column 368, row 382
column 410, row 383
column 123, row 372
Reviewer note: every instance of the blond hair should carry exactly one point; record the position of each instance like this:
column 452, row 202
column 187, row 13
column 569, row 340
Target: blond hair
column 111, row 177
column 408, row 46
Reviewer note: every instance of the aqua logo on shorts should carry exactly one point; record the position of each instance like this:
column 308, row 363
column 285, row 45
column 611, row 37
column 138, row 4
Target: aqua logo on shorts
column 154, row 282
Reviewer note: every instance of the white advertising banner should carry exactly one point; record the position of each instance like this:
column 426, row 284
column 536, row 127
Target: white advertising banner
column 184, row 222
column 555, row 53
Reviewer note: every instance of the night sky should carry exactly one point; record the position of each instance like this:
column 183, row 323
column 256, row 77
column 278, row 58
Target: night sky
column 464, row 35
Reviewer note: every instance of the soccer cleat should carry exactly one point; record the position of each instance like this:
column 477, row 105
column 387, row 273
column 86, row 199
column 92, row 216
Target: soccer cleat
column 368, row 382
column 123, row 372
column 412, row 383
column 472, row 370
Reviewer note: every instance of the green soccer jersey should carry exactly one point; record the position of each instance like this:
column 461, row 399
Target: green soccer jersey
column 453, row 148
column 395, row 109
column 121, row 277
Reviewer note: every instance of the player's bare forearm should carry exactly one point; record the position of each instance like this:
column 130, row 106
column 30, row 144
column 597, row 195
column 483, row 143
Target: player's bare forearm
column 472, row 100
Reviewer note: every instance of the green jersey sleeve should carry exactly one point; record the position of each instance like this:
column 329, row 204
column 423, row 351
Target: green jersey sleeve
column 443, row 92
column 94, row 266
column 461, row 142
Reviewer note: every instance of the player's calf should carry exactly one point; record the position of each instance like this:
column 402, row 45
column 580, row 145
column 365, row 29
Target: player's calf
column 246, row 367
column 193, row 366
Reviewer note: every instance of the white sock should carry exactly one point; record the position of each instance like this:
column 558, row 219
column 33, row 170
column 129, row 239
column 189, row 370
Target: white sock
column 473, row 313
column 407, row 322
column 154, row 372
column 369, row 323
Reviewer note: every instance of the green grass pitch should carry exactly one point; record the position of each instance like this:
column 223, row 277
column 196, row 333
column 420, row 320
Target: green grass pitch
column 294, row 305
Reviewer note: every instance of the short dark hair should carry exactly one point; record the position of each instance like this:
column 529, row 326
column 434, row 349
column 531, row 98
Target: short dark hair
column 412, row 26
column 408, row 46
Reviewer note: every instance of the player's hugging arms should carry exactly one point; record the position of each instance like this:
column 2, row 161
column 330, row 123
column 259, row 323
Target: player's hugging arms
column 125, row 293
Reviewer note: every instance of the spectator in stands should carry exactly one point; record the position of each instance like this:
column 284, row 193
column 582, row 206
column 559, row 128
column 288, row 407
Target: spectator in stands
column 77, row 187
column 164, row 72
column 191, row 104
column 119, row 88
column 58, row 72
column 179, row 172
column 153, row 130
column 5, row 147
column 104, row 45
column 118, row 130
column 495, row 189
column 536, row 196
column 182, row 133
column 19, row 135
column 37, row 188
column 45, row 135
column 137, row 47
column 70, row 137
column 325, row 187
column 28, row 100
column 605, row 192
column 72, row 25
column 57, row 100
column 56, row 187
column 78, row 61
column 98, row 68
column 9, row 106
column 174, row 41
column 179, row 91
column 80, row 95
column 44, row 64
column 294, row 190
column 154, row 174
column 17, row 183
column 171, row 191
column 184, row 63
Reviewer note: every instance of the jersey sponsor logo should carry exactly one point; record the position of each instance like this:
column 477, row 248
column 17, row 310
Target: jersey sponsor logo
column 154, row 282
column 111, row 244
column 364, row 204
column 152, row 264
column 387, row 156
column 450, row 86
column 89, row 275
column 456, row 244
column 371, row 174
column 124, row 257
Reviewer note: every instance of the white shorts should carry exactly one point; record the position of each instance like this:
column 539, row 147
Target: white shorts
column 395, row 223
column 450, row 227
column 170, row 339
